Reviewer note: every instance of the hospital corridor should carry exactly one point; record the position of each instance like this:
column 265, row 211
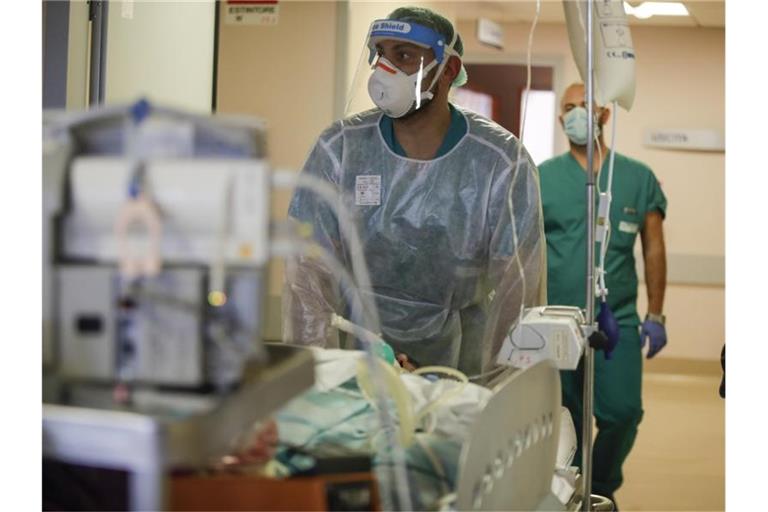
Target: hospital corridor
column 678, row 462
column 335, row 255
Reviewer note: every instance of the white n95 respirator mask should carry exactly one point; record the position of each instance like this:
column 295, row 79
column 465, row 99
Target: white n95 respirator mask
column 395, row 92
column 575, row 126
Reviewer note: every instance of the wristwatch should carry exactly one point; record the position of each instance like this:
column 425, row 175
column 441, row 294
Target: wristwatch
column 659, row 319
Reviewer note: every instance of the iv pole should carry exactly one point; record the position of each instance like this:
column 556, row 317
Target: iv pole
column 589, row 352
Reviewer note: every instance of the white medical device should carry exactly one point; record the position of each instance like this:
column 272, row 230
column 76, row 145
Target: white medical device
column 614, row 54
column 545, row 333
column 156, row 248
column 210, row 209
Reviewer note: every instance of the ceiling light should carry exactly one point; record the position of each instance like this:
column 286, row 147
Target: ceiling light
column 647, row 9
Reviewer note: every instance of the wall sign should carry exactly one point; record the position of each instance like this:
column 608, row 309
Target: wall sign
column 691, row 140
column 490, row 33
column 252, row 12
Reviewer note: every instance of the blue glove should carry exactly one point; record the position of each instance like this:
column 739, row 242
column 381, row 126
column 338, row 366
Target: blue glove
column 607, row 323
column 657, row 334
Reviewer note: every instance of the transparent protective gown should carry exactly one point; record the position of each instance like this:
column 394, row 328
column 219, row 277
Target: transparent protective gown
column 443, row 249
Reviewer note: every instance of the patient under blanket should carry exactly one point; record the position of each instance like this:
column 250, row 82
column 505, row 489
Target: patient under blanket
column 335, row 418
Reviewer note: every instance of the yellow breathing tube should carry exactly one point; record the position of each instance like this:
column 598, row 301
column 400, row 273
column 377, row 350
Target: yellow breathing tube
column 397, row 391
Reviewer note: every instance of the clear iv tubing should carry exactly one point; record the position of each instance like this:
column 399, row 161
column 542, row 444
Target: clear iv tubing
column 408, row 421
column 285, row 247
column 599, row 284
column 515, row 239
column 294, row 246
column 400, row 394
column 397, row 392
column 604, row 244
column 291, row 246
column 290, row 179
column 369, row 314
column 355, row 330
column 218, row 265
column 362, row 333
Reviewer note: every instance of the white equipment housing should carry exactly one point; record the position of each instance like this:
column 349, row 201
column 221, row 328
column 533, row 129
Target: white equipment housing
column 211, row 208
column 155, row 246
column 143, row 372
column 545, row 333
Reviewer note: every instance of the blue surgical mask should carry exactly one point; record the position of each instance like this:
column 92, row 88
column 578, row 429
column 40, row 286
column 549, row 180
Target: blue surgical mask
column 575, row 125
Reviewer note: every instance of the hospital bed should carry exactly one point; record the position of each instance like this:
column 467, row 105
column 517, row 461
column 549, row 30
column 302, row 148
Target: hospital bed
column 116, row 399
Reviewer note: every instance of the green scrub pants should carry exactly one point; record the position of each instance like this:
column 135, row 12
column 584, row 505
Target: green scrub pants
column 617, row 408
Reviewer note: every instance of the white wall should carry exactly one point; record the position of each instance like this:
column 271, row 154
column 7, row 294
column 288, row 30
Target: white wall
column 285, row 74
column 680, row 84
column 77, row 59
column 164, row 52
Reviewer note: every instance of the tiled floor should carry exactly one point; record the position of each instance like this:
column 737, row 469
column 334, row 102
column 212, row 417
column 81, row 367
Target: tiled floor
column 678, row 461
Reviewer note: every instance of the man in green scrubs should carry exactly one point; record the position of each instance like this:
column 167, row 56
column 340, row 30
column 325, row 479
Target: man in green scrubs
column 638, row 207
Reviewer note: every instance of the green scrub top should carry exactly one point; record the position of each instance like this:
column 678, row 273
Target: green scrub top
column 456, row 130
column 563, row 192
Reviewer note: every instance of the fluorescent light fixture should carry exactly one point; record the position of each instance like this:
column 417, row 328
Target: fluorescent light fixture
column 647, row 9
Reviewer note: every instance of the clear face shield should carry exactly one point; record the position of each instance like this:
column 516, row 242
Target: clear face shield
column 398, row 68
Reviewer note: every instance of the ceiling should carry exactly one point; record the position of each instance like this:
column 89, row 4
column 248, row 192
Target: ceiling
column 703, row 13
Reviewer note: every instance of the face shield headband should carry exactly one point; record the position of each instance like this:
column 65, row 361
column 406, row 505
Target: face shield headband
column 411, row 33
column 393, row 93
